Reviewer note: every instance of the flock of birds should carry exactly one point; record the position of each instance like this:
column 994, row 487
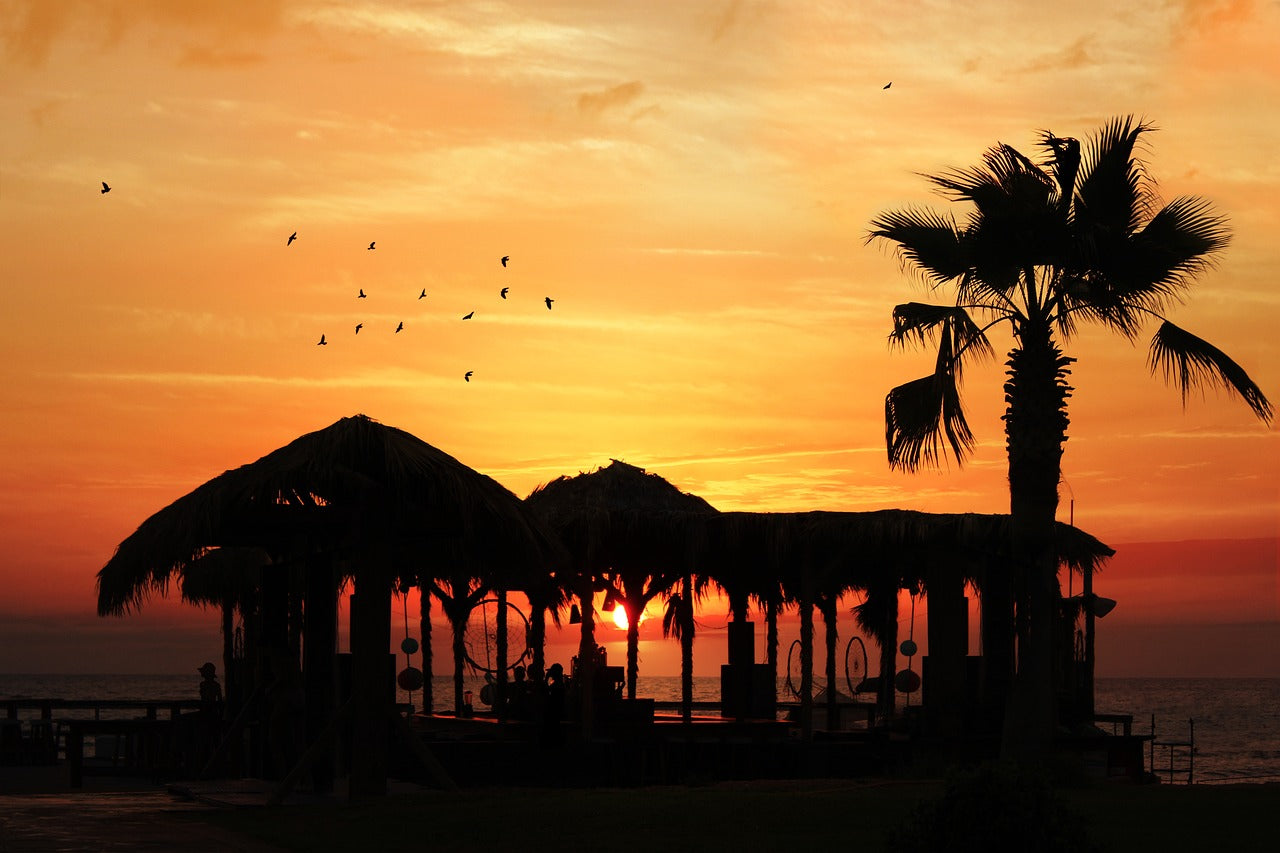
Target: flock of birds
column 360, row 294
column 423, row 295
column 324, row 341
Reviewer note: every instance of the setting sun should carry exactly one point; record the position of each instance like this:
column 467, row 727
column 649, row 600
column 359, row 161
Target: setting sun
column 620, row 617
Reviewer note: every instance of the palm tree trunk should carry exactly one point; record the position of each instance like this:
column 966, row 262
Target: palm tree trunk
column 424, row 630
column 584, row 677
column 1036, row 429
column 500, row 677
column 458, row 621
column 771, row 637
column 633, row 644
column 806, row 668
column 538, row 635
column 827, row 606
column 686, row 650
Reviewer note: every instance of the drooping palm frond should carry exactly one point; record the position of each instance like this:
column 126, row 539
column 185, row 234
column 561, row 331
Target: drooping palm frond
column 919, row 322
column 1190, row 362
column 921, row 414
column 925, row 239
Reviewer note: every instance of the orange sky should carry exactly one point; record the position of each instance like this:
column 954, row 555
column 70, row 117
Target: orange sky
column 692, row 184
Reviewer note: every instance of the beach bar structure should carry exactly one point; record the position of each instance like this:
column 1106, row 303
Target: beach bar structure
column 356, row 501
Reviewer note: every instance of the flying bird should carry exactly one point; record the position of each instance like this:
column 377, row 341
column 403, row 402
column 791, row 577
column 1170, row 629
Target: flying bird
column 423, row 294
column 323, row 342
column 371, row 245
column 887, row 85
column 107, row 189
column 362, row 296
column 400, row 327
column 359, row 326
column 503, row 293
column 467, row 375
column 549, row 300
column 505, row 258
column 469, row 315
column 292, row 237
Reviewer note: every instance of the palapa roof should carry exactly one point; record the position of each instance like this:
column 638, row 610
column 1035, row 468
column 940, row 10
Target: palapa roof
column 857, row 549
column 620, row 517
column 357, row 488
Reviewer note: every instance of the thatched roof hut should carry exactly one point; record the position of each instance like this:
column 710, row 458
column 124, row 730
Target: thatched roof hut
column 628, row 531
column 356, row 499
column 353, row 488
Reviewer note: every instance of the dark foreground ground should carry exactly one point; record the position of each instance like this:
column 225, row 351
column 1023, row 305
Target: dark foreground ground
column 730, row 816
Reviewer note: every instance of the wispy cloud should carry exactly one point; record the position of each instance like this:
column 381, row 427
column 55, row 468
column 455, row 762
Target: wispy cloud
column 597, row 102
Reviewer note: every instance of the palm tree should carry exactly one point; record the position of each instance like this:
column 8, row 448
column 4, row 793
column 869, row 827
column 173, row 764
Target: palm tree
column 1047, row 248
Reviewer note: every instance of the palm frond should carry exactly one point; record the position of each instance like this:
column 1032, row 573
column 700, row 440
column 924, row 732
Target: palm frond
column 1178, row 243
column 919, row 416
column 1112, row 192
column 671, row 617
column 925, row 239
column 1191, row 362
column 920, row 322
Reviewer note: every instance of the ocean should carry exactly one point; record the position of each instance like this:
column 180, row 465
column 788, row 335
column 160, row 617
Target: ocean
column 1237, row 721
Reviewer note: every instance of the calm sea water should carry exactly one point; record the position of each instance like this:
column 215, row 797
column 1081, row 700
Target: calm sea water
column 1237, row 721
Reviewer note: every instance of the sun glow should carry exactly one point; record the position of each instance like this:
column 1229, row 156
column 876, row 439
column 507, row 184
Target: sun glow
column 620, row 617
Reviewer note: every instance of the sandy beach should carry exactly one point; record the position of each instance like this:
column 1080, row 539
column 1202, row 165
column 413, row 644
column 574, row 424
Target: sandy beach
column 729, row 816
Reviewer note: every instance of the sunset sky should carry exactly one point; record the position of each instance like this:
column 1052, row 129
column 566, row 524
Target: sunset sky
column 692, row 184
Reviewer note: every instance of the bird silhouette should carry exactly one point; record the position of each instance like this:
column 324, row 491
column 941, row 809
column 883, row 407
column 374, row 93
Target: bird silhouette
column 469, row 315
column 400, row 327
column 423, row 294
column 292, row 237
column 371, row 245
column 467, row 375
column 549, row 300
column 323, row 342
column 359, row 326
column 362, row 296
column 107, row 189
column 503, row 292
column 887, row 85
column 505, row 258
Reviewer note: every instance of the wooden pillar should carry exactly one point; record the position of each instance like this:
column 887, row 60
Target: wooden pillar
column 372, row 708
column 948, row 628
column 319, row 651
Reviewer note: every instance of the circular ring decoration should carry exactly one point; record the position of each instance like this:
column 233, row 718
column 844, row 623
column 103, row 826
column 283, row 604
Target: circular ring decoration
column 855, row 664
column 480, row 642
column 793, row 663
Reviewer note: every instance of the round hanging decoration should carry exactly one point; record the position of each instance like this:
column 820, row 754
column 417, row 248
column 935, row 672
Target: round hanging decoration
column 410, row 679
column 908, row 647
column 409, row 646
column 907, row 681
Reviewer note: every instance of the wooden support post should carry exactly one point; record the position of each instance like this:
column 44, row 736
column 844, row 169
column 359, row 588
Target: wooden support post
column 320, row 647
column 370, row 641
